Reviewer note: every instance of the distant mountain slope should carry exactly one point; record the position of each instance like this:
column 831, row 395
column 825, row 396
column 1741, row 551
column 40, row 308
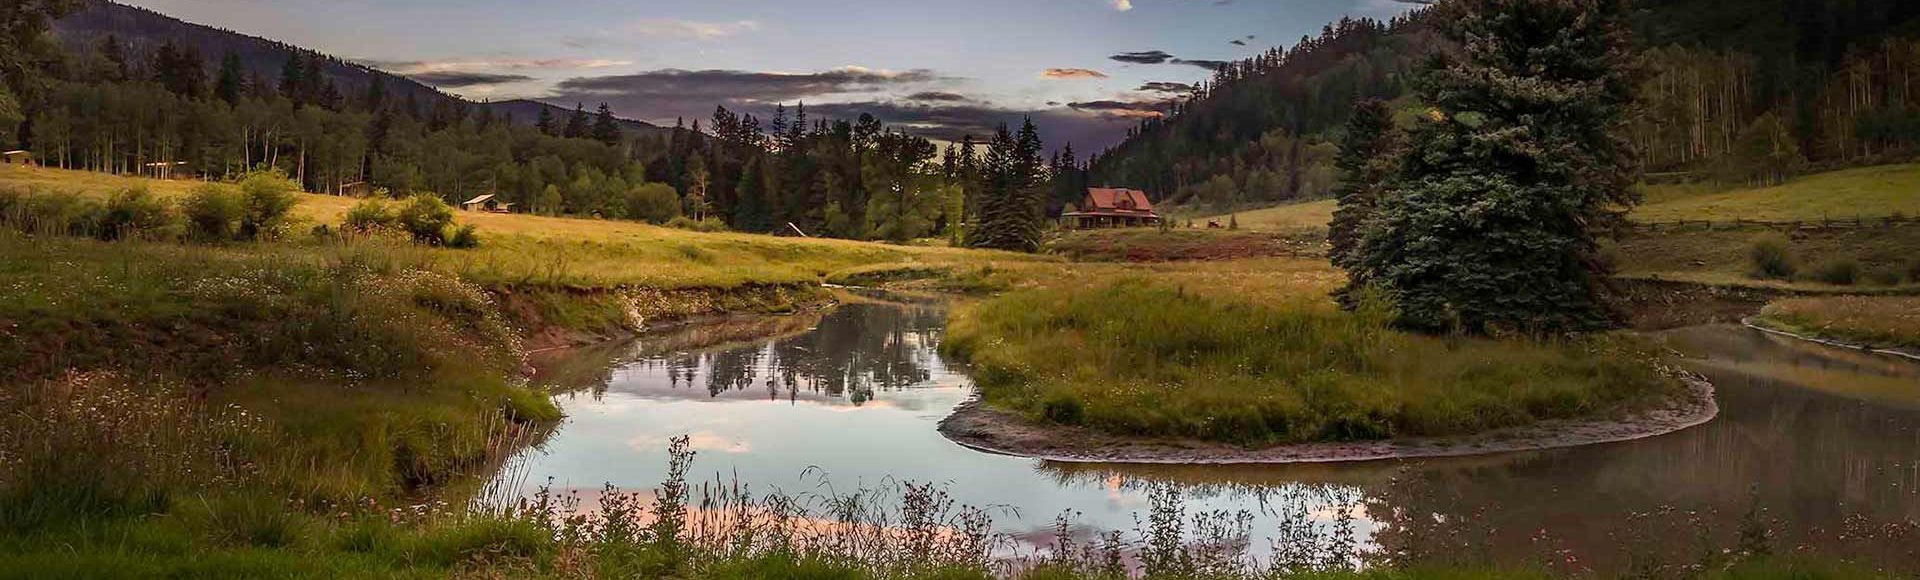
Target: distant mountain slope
column 142, row 31
column 1839, row 75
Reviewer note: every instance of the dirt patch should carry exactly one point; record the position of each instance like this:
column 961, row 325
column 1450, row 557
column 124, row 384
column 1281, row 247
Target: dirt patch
column 1182, row 245
column 994, row 431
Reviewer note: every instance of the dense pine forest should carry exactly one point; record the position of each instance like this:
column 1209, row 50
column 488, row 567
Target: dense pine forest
column 1739, row 92
column 158, row 106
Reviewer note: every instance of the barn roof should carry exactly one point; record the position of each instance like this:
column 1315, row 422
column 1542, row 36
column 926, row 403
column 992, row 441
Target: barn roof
column 481, row 199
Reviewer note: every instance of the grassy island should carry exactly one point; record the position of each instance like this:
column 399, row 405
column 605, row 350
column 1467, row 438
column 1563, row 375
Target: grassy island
column 1139, row 357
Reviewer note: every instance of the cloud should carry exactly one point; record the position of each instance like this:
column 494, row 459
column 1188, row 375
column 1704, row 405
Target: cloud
column 1206, row 64
column 1122, row 5
column 938, row 97
column 1123, row 109
column 412, row 67
column 668, row 93
column 1148, row 57
column 1165, row 87
column 1237, row 42
column 457, row 79
column 691, row 28
column 1072, row 73
column 649, row 29
column 1088, row 129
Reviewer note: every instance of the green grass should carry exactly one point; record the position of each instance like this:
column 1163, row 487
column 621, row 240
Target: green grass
column 1293, row 217
column 1878, row 321
column 1724, row 256
column 525, row 250
column 1138, row 357
column 1872, row 192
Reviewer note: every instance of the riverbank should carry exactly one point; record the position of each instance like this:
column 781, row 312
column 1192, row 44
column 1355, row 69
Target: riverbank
column 991, row 430
column 1886, row 324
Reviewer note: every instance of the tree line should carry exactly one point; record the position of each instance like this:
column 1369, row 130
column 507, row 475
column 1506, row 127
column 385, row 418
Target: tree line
column 1742, row 92
column 174, row 112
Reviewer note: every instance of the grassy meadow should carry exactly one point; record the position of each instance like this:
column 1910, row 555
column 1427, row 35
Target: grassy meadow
column 1224, row 355
column 525, row 250
column 1871, row 192
column 1877, row 321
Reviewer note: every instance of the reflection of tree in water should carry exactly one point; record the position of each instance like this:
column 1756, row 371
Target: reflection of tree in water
column 855, row 351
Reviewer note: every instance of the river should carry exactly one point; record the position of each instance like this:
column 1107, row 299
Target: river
column 1819, row 446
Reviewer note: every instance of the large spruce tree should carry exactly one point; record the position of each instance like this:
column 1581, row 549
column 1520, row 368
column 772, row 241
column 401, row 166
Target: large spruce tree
column 1365, row 163
column 1012, row 201
column 1491, row 224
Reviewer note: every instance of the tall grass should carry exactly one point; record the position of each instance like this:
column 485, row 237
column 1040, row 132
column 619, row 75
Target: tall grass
column 1146, row 358
column 1884, row 321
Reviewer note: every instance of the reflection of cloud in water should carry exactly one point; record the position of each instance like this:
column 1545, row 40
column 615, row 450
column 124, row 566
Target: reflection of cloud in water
column 698, row 440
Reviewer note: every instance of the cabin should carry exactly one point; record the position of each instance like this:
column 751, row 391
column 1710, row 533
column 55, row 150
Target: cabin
column 16, row 157
column 487, row 203
column 1111, row 208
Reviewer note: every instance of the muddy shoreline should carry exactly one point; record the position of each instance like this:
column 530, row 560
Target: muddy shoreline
column 975, row 426
column 1760, row 325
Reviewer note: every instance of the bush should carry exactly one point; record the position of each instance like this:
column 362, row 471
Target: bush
column 655, row 203
column 213, row 212
column 426, row 217
column 134, row 212
column 1913, row 271
column 464, row 237
column 1884, row 277
column 705, row 225
column 369, row 215
column 50, row 214
column 269, row 197
column 1840, row 272
column 1771, row 257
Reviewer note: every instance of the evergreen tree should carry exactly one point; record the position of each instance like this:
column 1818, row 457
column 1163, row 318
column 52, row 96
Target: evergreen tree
column 115, row 56
column 576, row 123
column 231, row 85
column 293, row 76
column 1491, row 223
column 545, row 123
column 1011, row 204
column 1365, row 164
column 376, row 93
column 605, row 128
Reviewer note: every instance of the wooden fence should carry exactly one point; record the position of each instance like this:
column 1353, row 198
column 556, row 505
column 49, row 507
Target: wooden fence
column 1852, row 222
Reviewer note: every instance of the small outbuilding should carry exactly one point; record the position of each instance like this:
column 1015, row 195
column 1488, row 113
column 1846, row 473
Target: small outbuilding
column 17, row 157
column 487, row 203
column 1105, row 207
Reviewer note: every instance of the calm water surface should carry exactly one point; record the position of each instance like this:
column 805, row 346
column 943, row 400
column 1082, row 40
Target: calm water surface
column 1824, row 443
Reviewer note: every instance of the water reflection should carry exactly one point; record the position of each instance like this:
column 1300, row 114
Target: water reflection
column 1826, row 442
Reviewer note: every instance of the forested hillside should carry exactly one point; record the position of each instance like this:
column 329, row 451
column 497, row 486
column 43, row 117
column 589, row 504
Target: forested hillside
column 1733, row 90
column 172, row 99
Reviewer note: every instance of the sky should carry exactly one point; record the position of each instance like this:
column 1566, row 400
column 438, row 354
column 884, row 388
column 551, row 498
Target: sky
column 1085, row 70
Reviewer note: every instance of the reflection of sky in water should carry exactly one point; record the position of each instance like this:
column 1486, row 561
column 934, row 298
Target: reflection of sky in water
column 851, row 404
column 853, row 401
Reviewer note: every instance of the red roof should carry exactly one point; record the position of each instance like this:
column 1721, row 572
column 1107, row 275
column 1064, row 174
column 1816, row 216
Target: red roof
column 1117, row 200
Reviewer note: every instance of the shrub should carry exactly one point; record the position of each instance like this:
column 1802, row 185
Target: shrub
column 50, row 214
column 464, row 237
column 1913, row 271
column 1884, row 277
column 134, row 212
column 655, row 203
column 369, row 215
column 269, row 197
column 1771, row 257
column 1839, row 272
column 705, row 225
column 426, row 217
column 213, row 212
